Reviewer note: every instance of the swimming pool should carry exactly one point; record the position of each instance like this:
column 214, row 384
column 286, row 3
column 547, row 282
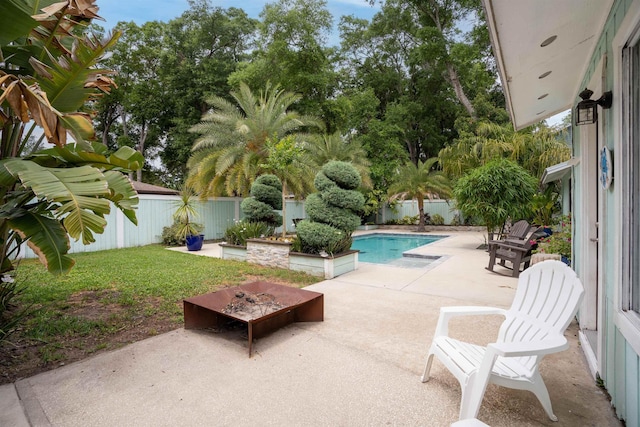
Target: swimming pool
column 385, row 248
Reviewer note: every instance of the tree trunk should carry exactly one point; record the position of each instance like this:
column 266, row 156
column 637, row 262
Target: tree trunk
column 284, row 210
column 421, row 213
column 452, row 76
column 432, row 8
column 140, row 148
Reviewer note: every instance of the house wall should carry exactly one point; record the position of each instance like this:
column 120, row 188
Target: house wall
column 618, row 359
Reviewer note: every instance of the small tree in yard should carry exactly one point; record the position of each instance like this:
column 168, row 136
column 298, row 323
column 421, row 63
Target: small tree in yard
column 420, row 181
column 334, row 211
column 499, row 190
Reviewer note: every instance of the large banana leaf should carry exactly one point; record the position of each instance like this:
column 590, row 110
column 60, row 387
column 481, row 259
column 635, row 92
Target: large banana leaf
column 126, row 159
column 123, row 195
column 47, row 238
column 80, row 194
column 68, row 81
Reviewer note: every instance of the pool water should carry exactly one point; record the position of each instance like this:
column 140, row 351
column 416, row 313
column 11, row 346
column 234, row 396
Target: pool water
column 389, row 248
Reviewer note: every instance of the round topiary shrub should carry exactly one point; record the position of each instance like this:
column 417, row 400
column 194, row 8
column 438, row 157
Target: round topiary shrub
column 333, row 212
column 266, row 197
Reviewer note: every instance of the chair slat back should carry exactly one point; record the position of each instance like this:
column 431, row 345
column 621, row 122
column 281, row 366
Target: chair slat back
column 519, row 230
column 546, row 300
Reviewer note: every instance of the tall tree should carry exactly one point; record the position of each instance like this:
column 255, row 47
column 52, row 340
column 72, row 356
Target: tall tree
column 291, row 52
column 420, row 181
column 134, row 112
column 203, row 47
column 231, row 150
column 165, row 73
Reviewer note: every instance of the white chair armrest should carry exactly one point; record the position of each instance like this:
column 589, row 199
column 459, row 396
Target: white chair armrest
column 447, row 313
column 535, row 348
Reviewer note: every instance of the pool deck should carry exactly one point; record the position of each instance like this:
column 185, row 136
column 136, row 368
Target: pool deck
column 360, row 367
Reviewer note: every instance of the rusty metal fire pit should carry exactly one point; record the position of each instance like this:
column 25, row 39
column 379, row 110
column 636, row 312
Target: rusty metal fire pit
column 263, row 306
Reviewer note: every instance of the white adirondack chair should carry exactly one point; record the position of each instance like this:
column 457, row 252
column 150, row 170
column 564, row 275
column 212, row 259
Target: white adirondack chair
column 546, row 301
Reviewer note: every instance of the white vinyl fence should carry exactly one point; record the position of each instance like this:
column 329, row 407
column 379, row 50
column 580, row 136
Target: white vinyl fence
column 156, row 212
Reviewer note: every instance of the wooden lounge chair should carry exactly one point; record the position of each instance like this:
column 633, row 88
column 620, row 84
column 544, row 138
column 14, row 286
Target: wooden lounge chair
column 516, row 251
column 546, row 301
column 519, row 230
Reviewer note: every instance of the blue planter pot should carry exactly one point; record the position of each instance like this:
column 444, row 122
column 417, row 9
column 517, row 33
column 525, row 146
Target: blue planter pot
column 565, row 260
column 194, row 243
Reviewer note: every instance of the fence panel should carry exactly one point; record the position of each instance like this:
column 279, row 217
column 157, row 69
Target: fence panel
column 156, row 212
column 410, row 208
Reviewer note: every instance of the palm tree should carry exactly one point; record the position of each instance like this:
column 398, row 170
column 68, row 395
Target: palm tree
column 232, row 149
column 47, row 73
column 420, row 181
column 321, row 149
column 535, row 149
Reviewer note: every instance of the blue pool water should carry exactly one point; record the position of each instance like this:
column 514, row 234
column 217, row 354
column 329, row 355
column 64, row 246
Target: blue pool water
column 386, row 248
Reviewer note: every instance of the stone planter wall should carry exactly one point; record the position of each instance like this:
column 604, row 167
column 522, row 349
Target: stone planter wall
column 270, row 253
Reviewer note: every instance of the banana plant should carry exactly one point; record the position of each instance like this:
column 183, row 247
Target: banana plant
column 47, row 74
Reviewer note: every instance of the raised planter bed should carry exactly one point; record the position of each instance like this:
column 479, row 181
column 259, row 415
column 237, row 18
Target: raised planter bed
column 327, row 267
column 233, row 252
column 275, row 253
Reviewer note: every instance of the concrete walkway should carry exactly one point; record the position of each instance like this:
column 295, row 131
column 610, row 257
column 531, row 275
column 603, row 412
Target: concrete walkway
column 360, row 367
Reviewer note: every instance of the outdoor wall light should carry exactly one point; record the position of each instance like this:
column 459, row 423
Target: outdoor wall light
column 587, row 109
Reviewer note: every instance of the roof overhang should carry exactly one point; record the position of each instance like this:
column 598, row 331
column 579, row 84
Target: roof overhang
column 556, row 172
column 540, row 80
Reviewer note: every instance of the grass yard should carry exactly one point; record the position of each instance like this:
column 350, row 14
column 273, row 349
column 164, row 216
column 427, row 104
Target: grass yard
column 112, row 298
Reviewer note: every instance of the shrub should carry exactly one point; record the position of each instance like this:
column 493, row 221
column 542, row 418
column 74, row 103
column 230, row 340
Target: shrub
column 171, row 235
column 333, row 212
column 496, row 191
column 343, row 174
column 268, row 189
column 437, row 219
column 238, row 233
column 560, row 241
column 266, row 197
column 320, row 211
column 316, row 237
column 10, row 315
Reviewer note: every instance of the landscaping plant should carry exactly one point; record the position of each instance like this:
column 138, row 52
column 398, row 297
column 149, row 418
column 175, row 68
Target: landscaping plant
column 47, row 74
column 238, row 233
column 499, row 190
column 266, row 198
column 333, row 212
column 560, row 241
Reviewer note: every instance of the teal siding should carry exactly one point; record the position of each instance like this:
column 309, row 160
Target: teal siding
column 631, row 387
column 620, row 363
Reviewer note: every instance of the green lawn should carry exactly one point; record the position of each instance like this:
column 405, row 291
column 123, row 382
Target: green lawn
column 113, row 297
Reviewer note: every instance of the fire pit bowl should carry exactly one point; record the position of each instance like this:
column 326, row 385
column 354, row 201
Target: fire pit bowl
column 262, row 306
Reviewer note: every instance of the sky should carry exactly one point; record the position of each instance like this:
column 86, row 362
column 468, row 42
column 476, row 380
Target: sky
column 141, row 11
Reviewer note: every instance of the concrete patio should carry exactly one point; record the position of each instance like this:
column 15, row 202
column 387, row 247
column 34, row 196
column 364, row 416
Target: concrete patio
column 360, row 367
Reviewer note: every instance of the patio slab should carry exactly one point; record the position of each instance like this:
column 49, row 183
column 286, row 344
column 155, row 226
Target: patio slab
column 360, row 367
